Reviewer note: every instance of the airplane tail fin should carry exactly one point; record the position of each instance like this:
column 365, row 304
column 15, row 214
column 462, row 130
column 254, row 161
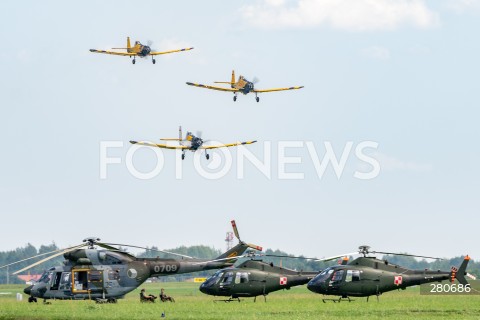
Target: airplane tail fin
column 240, row 248
column 128, row 48
column 231, row 83
column 459, row 273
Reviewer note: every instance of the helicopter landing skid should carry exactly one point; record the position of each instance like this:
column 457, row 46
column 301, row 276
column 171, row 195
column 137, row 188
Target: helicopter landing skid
column 337, row 300
column 228, row 300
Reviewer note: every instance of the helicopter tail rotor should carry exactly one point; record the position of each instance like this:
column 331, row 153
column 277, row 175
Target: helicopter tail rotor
column 237, row 235
column 459, row 273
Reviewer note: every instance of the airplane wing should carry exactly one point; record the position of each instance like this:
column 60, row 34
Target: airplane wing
column 128, row 54
column 228, row 145
column 164, row 146
column 156, row 53
column 277, row 89
column 212, row 87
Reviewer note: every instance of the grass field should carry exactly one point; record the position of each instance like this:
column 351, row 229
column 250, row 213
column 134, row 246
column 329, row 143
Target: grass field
column 297, row 303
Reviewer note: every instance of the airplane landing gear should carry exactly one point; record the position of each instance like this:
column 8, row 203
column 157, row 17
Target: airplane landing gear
column 207, row 156
column 183, row 156
column 234, row 98
column 153, row 61
column 257, row 98
column 133, row 61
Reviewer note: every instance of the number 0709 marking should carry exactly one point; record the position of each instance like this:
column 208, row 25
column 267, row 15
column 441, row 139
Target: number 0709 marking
column 165, row 268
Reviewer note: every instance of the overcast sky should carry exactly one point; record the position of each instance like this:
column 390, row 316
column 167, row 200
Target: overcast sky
column 402, row 74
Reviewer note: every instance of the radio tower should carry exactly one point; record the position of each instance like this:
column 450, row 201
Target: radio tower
column 229, row 240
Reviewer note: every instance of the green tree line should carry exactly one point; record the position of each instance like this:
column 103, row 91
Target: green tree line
column 7, row 257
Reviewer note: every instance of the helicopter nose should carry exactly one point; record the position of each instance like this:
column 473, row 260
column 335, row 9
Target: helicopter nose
column 28, row 290
column 314, row 286
column 205, row 288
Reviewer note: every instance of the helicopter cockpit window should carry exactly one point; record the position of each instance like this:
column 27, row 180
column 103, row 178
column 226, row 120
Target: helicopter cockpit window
column 241, row 277
column 227, row 278
column 112, row 260
column 323, row 276
column 352, row 275
column 214, row 279
column 337, row 277
column 46, row 277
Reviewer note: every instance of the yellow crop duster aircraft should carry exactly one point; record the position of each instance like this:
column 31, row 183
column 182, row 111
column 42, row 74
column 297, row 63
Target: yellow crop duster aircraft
column 138, row 50
column 191, row 142
column 242, row 85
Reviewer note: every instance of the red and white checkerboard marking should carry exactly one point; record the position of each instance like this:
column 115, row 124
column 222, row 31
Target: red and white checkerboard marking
column 283, row 281
column 398, row 280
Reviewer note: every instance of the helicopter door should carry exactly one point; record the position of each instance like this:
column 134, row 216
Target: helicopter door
column 80, row 281
column 95, row 280
column 65, row 283
column 336, row 280
column 241, row 277
column 57, row 276
column 226, row 281
column 87, row 281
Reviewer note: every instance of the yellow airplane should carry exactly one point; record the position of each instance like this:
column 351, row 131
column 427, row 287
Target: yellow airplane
column 138, row 50
column 191, row 142
column 242, row 85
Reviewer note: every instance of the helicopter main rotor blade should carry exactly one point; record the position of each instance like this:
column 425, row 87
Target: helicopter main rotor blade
column 106, row 246
column 235, row 230
column 225, row 259
column 307, row 258
column 145, row 248
column 48, row 258
column 38, row 255
column 405, row 254
column 339, row 256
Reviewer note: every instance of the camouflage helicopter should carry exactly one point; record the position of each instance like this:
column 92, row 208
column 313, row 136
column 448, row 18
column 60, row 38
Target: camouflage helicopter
column 368, row 276
column 253, row 278
column 107, row 274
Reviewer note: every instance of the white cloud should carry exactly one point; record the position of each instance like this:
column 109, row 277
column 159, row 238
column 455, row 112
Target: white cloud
column 351, row 15
column 389, row 163
column 377, row 52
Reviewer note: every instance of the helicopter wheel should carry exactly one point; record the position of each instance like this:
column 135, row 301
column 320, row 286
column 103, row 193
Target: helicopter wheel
column 32, row 299
column 112, row 300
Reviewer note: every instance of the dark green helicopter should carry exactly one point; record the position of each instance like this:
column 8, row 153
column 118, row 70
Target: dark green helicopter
column 107, row 274
column 369, row 276
column 253, row 278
